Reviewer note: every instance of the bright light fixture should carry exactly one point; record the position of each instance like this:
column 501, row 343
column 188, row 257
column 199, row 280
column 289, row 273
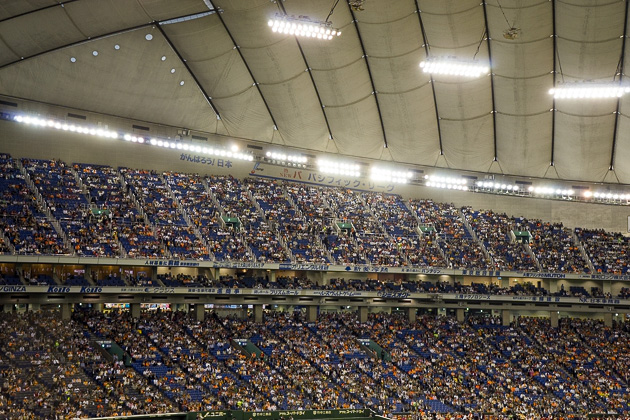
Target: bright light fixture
column 501, row 187
column 303, row 26
column 452, row 66
column 286, row 158
column 48, row 123
column 339, row 168
column 589, row 90
column 387, row 175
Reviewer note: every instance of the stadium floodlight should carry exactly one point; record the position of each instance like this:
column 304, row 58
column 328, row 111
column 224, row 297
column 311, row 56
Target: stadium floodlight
column 589, row 90
column 303, row 26
column 452, row 66
column 388, row 175
column 339, row 168
column 61, row 125
column 283, row 157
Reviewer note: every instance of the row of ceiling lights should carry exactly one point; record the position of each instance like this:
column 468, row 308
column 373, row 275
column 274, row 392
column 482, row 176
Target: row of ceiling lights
column 337, row 167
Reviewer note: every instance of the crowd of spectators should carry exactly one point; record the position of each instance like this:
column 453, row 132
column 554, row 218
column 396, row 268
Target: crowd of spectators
column 608, row 251
column 144, row 214
column 554, row 247
column 22, row 218
column 457, row 245
column 433, row 366
column 494, row 231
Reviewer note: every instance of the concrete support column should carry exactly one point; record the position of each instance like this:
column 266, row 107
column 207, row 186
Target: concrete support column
column 311, row 313
column 177, row 307
column 33, row 307
column 607, row 286
column 608, row 318
column 258, row 314
column 200, row 312
column 506, row 317
column 66, row 311
column 244, row 314
column 461, row 315
column 135, row 310
column 154, row 273
column 205, row 271
column 553, row 286
column 553, row 317
column 412, row 313
column 505, row 282
column 7, row 307
column 272, row 276
column 363, row 314
column 88, row 273
column 97, row 307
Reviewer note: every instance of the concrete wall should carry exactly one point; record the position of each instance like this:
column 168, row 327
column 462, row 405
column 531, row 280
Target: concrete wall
column 25, row 141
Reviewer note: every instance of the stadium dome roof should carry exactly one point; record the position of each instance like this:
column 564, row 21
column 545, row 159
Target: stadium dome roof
column 362, row 94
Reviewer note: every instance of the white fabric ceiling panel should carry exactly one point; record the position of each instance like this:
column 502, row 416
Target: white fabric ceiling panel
column 463, row 100
column 354, row 134
column 589, row 38
column 280, row 70
column 468, row 144
column 411, row 126
column 347, row 92
column 589, row 20
column 510, row 59
column 6, row 54
column 296, row 110
column 583, row 146
column 97, row 17
column 522, row 144
column 219, row 69
column 390, row 29
column 532, row 17
column 210, row 54
column 523, row 97
column 148, row 91
column 597, row 62
column 622, row 145
column 168, row 9
column 37, row 32
column 10, row 8
column 246, row 115
column 452, row 24
column 622, row 149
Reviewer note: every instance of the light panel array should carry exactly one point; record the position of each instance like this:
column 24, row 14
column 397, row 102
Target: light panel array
column 587, row 90
column 339, row 168
column 551, row 191
column 62, row 125
column 451, row 66
column 387, row 175
column 286, row 158
column 212, row 151
column 606, row 196
column 497, row 186
column 450, row 183
column 302, row 26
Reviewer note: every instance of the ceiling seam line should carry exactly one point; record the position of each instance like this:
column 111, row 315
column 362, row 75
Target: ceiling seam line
column 189, row 70
column 249, row 70
column 435, row 104
column 494, row 109
column 621, row 62
column 310, row 73
column 554, row 71
column 367, row 65
column 94, row 38
column 38, row 10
